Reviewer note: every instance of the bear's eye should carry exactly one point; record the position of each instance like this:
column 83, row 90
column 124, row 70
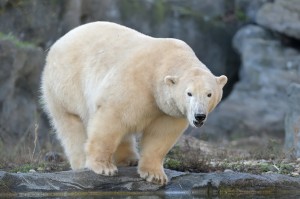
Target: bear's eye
column 209, row 95
column 189, row 94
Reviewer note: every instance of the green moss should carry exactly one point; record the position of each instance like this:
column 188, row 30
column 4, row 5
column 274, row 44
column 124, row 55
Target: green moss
column 16, row 41
column 159, row 11
column 285, row 168
column 172, row 164
column 26, row 167
column 188, row 12
column 240, row 15
column 23, row 169
column 265, row 167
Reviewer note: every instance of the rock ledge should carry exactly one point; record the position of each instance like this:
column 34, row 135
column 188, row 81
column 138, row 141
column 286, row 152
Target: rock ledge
column 85, row 182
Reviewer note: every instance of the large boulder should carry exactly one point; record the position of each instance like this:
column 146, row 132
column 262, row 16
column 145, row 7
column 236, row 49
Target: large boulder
column 258, row 103
column 281, row 16
column 292, row 121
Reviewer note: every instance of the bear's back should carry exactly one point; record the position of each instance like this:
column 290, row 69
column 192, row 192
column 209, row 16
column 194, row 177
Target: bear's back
column 96, row 36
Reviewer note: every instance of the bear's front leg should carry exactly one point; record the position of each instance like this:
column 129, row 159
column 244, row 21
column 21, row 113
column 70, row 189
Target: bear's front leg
column 157, row 140
column 103, row 140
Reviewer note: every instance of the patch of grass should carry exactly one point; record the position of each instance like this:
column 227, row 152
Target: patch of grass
column 272, row 150
column 16, row 41
column 172, row 163
column 25, row 152
column 267, row 158
column 22, row 168
column 185, row 159
column 285, row 168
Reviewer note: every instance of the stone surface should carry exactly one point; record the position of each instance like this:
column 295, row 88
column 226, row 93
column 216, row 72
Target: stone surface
column 20, row 70
column 292, row 121
column 282, row 16
column 249, row 8
column 127, row 181
column 258, row 103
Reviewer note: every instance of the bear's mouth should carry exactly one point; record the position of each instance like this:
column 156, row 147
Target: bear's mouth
column 197, row 123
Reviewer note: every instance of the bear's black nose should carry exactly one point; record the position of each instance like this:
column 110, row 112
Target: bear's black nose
column 200, row 117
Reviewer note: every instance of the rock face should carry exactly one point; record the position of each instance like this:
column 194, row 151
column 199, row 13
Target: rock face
column 19, row 84
column 282, row 16
column 258, row 102
column 292, row 121
column 39, row 22
column 128, row 182
column 249, row 8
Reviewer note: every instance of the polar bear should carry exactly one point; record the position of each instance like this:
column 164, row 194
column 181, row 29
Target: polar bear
column 103, row 83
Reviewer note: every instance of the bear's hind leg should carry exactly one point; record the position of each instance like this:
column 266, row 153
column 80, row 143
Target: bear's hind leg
column 157, row 140
column 71, row 133
column 103, row 141
column 126, row 154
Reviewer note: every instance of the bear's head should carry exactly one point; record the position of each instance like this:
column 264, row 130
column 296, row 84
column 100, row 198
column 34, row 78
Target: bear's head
column 194, row 94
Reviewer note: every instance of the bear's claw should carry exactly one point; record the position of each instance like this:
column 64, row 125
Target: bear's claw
column 106, row 171
column 129, row 162
column 157, row 178
column 103, row 168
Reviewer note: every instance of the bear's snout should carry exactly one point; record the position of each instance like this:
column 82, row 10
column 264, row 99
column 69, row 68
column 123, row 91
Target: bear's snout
column 199, row 119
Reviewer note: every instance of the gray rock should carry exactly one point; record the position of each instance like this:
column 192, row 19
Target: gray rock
column 35, row 21
column 281, row 16
column 20, row 69
column 39, row 22
column 258, row 102
column 249, row 8
column 72, row 15
column 128, row 182
column 292, row 121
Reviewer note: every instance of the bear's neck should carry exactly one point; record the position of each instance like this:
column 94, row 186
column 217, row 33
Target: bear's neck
column 166, row 103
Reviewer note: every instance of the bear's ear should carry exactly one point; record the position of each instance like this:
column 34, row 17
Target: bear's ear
column 171, row 80
column 222, row 80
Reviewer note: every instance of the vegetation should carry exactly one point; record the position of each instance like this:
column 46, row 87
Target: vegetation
column 263, row 159
column 16, row 41
column 238, row 156
column 187, row 158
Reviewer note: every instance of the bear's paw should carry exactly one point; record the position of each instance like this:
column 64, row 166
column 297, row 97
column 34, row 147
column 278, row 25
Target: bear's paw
column 102, row 167
column 155, row 176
